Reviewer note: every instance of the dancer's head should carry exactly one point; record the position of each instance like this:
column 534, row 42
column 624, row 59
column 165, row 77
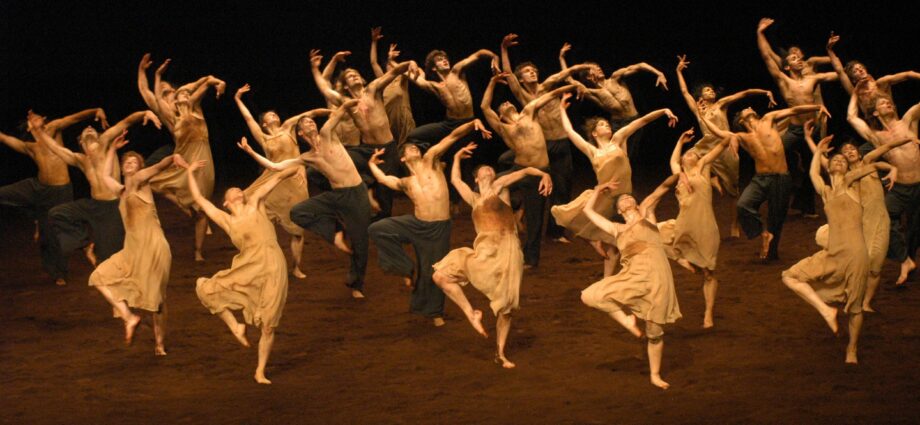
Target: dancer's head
column 598, row 129
column 706, row 92
column 167, row 91
column 269, row 119
column 689, row 159
column 837, row 164
column 409, row 152
column 856, row 71
column 89, row 137
column 850, row 151
column 744, row 119
column 234, row 196
column 350, row 77
column 626, row 202
column 594, row 73
column 183, row 97
column 507, row 111
column 793, row 62
column 883, row 107
column 437, row 61
column 483, row 175
column 527, row 72
column 131, row 162
column 306, row 128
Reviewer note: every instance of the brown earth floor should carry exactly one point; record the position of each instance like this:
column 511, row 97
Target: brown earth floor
column 770, row 358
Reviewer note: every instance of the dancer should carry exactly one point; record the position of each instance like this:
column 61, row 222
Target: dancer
column 838, row 273
column 495, row 264
column 725, row 166
column 772, row 183
column 100, row 211
column 904, row 197
column 47, row 190
column 523, row 135
column 346, row 203
column 181, row 113
column 136, row 276
column 428, row 229
column 692, row 240
column 644, row 287
column 347, row 132
column 257, row 280
column 613, row 95
column 279, row 142
column 609, row 156
column 395, row 95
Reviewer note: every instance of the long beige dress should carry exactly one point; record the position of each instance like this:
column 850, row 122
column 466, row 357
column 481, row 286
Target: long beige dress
column 289, row 191
column 694, row 235
column 875, row 220
column 607, row 163
column 399, row 110
column 838, row 273
column 645, row 285
column 726, row 166
column 495, row 264
column 191, row 137
column 257, row 280
column 138, row 274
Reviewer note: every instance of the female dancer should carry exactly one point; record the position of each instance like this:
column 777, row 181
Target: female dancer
column 836, row 274
column 644, row 287
column 693, row 238
column 256, row 281
column 495, row 264
column 609, row 159
column 137, row 275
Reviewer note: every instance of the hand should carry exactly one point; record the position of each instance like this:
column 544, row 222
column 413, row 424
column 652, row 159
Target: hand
column 477, row 125
column 510, row 40
column 809, row 127
column 145, row 62
column 496, row 68
column 162, row 68
column 824, row 111
column 120, row 141
column 832, row 41
column 564, row 102
column 240, row 91
column 682, row 63
column 764, row 23
column 221, row 87
column 565, row 48
column 100, row 117
column 465, row 152
column 824, row 146
column 340, row 56
column 772, row 103
column 244, row 145
column 501, row 77
column 609, row 186
column 892, row 178
column 375, row 158
column 315, row 58
column 686, row 136
column 376, row 34
column 672, row 119
column 546, row 185
column 196, row 165
column 179, row 161
column 662, row 81
column 149, row 116
column 392, row 54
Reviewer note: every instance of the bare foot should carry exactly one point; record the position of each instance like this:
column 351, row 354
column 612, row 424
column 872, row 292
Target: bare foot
column 356, row 294
column 562, row 239
column 503, row 361
column 159, row 350
column 60, row 281
column 906, row 267
column 658, row 382
column 831, row 319
column 866, row 308
column 686, row 264
column 851, row 356
column 240, row 335
column 340, row 243
column 599, row 247
column 260, row 378
column 130, row 325
column 707, row 321
column 407, row 281
column 438, row 321
column 297, row 273
column 90, row 255
column 633, row 328
column 198, row 257
column 476, row 321
column 765, row 239
column 735, row 231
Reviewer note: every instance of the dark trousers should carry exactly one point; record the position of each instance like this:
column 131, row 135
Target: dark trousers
column 39, row 198
column 431, row 242
column 70, row 221
column 903, row 199
column 773, row 188
column 561, row 170
column 160, row 153
column 534, row 205
column 633, row 143
column 798, row 159
column 430, row 134
column 390, row 166
column 350, row 206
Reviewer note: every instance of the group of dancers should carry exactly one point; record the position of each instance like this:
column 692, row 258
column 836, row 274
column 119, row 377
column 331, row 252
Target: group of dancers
column 370, row 147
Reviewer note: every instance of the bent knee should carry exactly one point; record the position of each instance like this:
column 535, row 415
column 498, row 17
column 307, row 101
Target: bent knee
column 654, row 332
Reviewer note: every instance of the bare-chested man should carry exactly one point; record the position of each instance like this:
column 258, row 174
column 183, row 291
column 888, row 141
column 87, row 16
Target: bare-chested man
column 395, row 95
column 705, row 104
column 797, row 88
column 347, row 201
column 181, row 113
column 904, row 197
column 49, row 189
column 369, row 115
column 428, row 229
column 524, row 84
column 99, row 212
column 523, row 134
column 613, row 95
column 772, row 183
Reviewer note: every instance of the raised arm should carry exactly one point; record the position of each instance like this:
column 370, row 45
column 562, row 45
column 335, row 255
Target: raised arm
column 337, row 58
column 215, row 214
column 41, row 136
column 373, row 163
column 881, row 150
column 460, row 66
column 486, row 105
column 912, row 116
column 898, row 78
column 770, row 59
column 456, row 178
column 691, row 102
column 335, row 118
column 143, row 85
column 810, row 141
column 563, row 76
column 262, row 191
column 648, row 205
column 254, row 127
column 732, row 98
column 862, row 128
column 64, row 122
column 210, row 81
column 15, row 144
column 714, row 129
column 546, row 182
column 580, row 143
column 417, row 76
column 715, row 151
column 814, row 172
column 838, row 65
column 600, row 221
column 267, row 163
column 122, row 126
column 324, row 86
column 562, row 51
column 313, row 113
column 439, row 149
column 795, row 110
column 533, row 106
column 517, row 90
column 375, row 65
column 684, row 138
column 380, row 83
column 641, row 66
column 109, row 165
column 623, row 134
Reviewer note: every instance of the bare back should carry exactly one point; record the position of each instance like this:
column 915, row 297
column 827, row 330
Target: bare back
column 626, row 106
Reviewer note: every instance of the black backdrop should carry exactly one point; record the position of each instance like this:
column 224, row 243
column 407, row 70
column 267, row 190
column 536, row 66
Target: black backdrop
column 59, row 58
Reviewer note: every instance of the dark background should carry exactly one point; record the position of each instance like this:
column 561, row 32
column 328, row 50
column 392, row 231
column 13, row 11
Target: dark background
column 61, row 58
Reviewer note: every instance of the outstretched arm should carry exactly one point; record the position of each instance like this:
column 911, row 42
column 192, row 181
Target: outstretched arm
column 62, row 123
column 122, row 126
column 562, row 51
column 641, row 66
column 324, row 86
column 533, row 106
column 380, row 83
column 862, row 128
column 254, row 127
column 391, row 182
column 215, row 214
column 267, row 163
column 109, row 164
column 460, row 66
column 335, row 118
column 41, row 136
column 814, row 172
column 899, row 78
column 684, row 138
column 624, row 133
column 715, row 151
column 313, row 113
column 810, row 141
column 881, row 150
column 837, row 65
column 486, row 105
column 691, row 102
column 795, row 110
column 600, row 221
column 517, row 90
column 563, row 76
column 771, row 59
column 143, row 85
column 648, row 205
column 439, row 149
column 732, row 98
column 15, row 144
column 579, row 142
column 259, row 194
column 714, row 129
column 210, row 81
column 456, row 178
column 376, row 35
column 546, row 182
